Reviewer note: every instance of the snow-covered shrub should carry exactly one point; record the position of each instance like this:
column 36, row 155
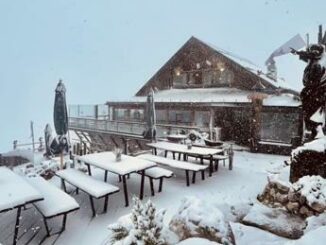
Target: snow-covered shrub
column 197, row 218
column 144, row 226
column 313, row 189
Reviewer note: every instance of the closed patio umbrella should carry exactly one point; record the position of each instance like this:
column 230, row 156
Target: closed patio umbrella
column 150, row 117
column 60, row 116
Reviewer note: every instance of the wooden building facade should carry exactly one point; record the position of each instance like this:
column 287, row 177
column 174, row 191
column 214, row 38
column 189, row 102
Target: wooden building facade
column 201, row 87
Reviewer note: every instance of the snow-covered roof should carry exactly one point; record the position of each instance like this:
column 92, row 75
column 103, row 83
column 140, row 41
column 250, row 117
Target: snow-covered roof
column 216, row 95
column 252, row 67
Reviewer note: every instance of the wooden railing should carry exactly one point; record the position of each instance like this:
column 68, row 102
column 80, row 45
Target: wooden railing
column 127, row 127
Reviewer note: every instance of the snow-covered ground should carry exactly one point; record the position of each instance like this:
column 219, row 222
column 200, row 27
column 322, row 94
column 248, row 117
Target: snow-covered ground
column 239, row 186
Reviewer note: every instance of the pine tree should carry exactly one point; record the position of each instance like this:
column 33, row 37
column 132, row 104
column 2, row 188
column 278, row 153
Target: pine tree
column 147, row 225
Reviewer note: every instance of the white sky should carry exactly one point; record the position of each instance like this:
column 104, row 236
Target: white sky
column 106, row 50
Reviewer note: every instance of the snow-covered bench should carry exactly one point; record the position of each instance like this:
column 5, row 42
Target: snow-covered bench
column 183, row 165
column 56, row 202
column 93, row 187
column 223, row 157
column 157, row 173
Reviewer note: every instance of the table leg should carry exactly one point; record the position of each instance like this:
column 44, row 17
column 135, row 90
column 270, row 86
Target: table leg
column 203, row 174
column 92, row 205
column 64, row 221
column 210, row 166
column 165, row 153
column 89, row 169
column 125, row 189
column 151, row 182
column 106, row 203
column 17, row 225
column 142, row 185
column 184, row 157
column 155, row 151
column 105, row 176
column 173, row 154
column 194, row 177
column 187, row 177
column 161, row 185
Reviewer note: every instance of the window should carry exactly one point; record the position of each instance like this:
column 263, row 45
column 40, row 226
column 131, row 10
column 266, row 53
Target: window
column 161, row 116
column 279, row 127
column 122, row 114
column 180, row 79
column 217, row 77
column 180, row 117
column 137, row 114
column 202, row 118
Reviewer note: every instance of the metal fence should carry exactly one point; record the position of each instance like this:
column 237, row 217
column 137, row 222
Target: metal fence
column 126, row 127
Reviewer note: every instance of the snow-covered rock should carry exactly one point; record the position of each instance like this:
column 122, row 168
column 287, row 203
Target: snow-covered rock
column 197, row 241
column 313, row 189
column 245, row 235
column 275, row 220
column 315, row 237
column 315, row 222
column 197, row 218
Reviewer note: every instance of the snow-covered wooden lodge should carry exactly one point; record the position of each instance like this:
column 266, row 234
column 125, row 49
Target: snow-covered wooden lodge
column 203, row 88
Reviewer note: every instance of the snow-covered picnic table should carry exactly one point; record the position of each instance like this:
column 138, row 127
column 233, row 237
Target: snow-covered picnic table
column 127, row 165
column 15, row 193
column 200, row 152
column 181, row 148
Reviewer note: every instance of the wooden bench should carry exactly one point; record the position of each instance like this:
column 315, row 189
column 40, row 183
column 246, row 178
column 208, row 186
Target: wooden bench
column 93, row 187
column 223, row 157
column 56, row 202
column 157, row 173
column 187, row 166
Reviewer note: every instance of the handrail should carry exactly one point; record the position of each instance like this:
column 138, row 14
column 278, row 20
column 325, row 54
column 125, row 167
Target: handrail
column 132, row 122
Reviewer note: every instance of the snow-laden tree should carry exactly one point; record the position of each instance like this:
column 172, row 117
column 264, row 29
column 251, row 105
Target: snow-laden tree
column 143, row 227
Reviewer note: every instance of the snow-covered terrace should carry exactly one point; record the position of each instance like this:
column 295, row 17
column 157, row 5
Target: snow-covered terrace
column 225, row 187
column 216, row 95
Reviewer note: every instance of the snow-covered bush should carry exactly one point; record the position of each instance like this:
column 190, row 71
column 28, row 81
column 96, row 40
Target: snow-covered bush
column 197, row 218
column 313, row 189
column 144, row 226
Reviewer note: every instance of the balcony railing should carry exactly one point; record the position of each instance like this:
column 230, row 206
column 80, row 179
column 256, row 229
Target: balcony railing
column 127, row 127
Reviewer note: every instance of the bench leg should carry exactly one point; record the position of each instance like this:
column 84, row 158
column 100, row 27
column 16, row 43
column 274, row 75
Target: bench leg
column 203, row 174
column 120, row 179
column 165, row 153
column 64, row 221
column 125, row 190
column 106, row 203
column 194, row 177
column 184, row 157
column 46, row 227
column 89, row 169
column 92, row 205
column 77, row 191
column 173, row 154
column 179, row 157
column 187, row 177
column 142, row 185
column 155, row 151
column 202, row 161
column 152, row 186
column 230, row 163
column 105, row 176
column 17, row 225
column 161, row 185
